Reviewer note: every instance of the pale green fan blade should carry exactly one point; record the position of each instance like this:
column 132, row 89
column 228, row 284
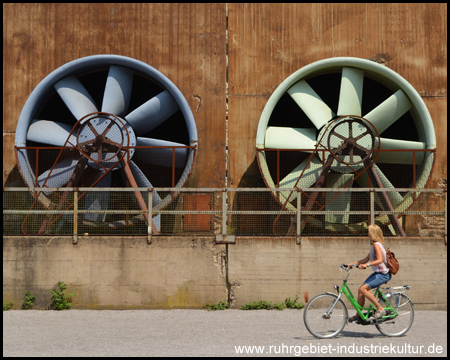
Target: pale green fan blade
column 350, row 96
column 400, row 157
column 290, row 138
column 389, row 111
column 311, row 103
column 308, row 179
column 394, row 196
column 342, row 201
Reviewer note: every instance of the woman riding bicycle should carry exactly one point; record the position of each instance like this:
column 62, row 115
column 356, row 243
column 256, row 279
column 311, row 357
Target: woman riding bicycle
column 377, row 260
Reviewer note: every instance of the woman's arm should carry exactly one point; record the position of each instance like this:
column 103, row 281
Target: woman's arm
column 378, row 256
column 362, row 261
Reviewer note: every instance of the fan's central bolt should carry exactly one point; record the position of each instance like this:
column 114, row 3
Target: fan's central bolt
column 95, row 143
column 104, row 139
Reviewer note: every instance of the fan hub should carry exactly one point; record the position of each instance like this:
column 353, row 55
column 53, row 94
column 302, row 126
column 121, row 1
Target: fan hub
column 104, row 139
column 350, row 139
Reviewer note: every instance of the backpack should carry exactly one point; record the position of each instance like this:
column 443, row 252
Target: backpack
column 392, row 263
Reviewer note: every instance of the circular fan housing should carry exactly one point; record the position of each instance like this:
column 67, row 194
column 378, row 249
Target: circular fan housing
column 299, row 111
column 96, row 108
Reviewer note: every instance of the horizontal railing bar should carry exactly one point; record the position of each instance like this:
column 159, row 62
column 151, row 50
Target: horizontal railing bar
column 326, row 150
column 217, row 212
column 189, row 212
column 47, row 189
column 18, row 212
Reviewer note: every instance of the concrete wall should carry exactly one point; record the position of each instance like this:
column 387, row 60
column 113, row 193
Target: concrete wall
column 115, row 273
column 273, row 269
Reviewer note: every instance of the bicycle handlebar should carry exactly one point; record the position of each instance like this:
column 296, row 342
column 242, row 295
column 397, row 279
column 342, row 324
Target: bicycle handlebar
column 351, row 266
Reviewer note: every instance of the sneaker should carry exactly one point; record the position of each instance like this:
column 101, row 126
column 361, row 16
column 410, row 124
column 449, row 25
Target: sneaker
column 378, row 315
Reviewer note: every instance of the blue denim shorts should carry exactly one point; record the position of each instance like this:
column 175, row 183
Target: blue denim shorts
column 376, row 279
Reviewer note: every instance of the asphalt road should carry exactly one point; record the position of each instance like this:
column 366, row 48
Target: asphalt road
column 206, row 333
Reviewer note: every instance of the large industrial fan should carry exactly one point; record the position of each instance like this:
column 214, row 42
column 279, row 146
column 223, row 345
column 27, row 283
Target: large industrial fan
column 105, row 121
column 340, row 123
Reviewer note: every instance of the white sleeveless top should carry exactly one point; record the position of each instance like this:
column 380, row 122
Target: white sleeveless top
column 381, row 267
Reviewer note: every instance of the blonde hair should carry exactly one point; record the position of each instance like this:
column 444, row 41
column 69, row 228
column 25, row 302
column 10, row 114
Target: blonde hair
column 375, row 233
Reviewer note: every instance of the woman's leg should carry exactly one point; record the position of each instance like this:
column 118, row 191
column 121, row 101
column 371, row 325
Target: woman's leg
column 372, row 282
column 364, row 290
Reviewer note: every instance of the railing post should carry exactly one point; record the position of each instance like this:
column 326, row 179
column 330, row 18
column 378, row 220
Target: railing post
column 150, row 216
column 224, row 238
column 372, row 207
column 445, row 217
column 75, row 217
column 224, row 213
column 299, row 217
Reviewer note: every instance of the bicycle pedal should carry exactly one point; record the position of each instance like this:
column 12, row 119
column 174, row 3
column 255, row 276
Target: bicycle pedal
column 366, row 322
column 376, row 321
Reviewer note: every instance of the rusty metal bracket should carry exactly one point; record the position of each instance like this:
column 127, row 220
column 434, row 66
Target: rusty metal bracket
column 225, row 239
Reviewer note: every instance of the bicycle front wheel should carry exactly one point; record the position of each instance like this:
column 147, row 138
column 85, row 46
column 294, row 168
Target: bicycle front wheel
column 405, row 316
column 322, row 319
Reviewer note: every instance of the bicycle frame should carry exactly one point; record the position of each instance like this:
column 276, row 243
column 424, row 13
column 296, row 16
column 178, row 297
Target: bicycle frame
column 371, row 309
column 344, row 289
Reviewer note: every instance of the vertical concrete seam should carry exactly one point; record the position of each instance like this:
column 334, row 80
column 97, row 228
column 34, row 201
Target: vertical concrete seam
column 227, row 283
column 226, row 96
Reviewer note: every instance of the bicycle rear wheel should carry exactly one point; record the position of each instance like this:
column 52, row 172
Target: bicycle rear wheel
column 405, row 316
column 318, row 322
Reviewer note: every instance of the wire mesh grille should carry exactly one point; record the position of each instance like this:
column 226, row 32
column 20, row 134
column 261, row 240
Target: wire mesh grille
column 240, row 212
column 55, row 166
column 401, row 168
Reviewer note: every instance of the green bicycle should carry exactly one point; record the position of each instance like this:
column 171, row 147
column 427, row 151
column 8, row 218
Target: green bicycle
column 326, row 314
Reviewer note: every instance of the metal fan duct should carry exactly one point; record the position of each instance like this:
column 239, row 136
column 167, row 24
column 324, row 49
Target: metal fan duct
column 297, row 116
column 99, row 109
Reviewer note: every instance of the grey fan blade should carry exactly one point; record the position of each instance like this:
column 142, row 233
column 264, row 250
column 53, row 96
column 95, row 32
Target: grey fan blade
column 142, row 181
column 117, row 90
column 98, row 200
column 75, row 96
column 50, row 133
column 152, row 113
column 157, row 222
column 163, row 157
column 59, row 175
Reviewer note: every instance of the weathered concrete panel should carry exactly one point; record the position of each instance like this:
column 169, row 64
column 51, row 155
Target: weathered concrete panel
column 116, row 273
column 180, row 273
column 272, row 269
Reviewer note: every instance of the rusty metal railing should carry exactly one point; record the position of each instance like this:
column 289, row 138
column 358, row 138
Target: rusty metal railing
column 225, row 213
